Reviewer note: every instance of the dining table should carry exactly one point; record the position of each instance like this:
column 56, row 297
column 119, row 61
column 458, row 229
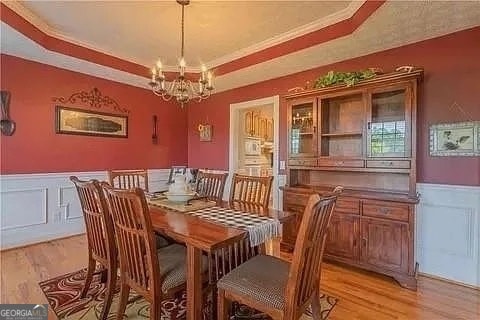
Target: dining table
column 202, row 236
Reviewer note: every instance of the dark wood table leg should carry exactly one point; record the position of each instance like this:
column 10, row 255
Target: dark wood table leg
column 194, row 283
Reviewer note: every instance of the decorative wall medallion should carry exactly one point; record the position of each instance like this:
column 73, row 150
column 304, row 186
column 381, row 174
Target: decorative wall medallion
column 205, row 131
column 455, row 139
column 94, row 99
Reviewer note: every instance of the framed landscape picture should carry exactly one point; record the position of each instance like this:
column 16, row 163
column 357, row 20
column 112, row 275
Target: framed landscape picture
column 90, row 123
column 455, row 139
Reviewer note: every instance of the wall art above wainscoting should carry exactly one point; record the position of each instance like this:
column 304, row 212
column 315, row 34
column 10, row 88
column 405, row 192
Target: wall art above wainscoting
column 455, row 139
column 93, row 98
column 90, row 123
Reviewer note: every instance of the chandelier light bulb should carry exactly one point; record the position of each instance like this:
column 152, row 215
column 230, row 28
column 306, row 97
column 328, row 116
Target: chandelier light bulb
column 183, row 64
column 159, row 64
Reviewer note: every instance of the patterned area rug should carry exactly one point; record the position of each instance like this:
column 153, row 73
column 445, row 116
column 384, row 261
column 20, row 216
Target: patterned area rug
column 63, row 295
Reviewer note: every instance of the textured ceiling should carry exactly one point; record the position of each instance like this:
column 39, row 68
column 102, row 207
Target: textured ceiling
column 142, row 31
column 394, row 24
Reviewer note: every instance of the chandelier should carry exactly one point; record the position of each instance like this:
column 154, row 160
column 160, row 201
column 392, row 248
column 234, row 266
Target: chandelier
column 181, row 88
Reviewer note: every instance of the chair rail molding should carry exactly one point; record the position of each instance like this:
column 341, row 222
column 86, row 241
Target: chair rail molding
column 44, row 206
column 448, row 232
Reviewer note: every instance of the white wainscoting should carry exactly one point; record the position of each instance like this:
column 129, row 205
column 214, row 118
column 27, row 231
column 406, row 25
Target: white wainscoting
column 448, row 232
column 40, row 207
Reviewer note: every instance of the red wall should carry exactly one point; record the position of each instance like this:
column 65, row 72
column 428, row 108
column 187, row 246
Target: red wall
column 35, row 147
column 452, row 74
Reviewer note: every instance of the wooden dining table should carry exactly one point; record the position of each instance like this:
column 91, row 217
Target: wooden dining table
column 203, row 236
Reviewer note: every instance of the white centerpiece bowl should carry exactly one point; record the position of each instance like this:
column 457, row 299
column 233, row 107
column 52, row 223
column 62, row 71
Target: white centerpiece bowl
column 180, row 197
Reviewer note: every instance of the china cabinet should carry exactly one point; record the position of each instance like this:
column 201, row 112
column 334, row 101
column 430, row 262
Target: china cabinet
column 362, row 138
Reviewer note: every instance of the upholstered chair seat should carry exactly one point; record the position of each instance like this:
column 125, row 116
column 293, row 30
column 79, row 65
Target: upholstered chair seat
column 173, row 266
column 262, row 279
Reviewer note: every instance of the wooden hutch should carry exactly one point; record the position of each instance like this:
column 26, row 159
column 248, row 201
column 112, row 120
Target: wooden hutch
column 364, row 139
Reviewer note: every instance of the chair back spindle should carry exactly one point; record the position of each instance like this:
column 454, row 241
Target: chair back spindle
column 211, row 185
column 135, row 239
column 251, row 191
column 128, row 179
column 304, row 276
column 98, row 222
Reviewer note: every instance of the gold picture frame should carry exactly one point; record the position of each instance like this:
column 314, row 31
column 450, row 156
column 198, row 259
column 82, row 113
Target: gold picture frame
column 205, row 132
column 90, row 123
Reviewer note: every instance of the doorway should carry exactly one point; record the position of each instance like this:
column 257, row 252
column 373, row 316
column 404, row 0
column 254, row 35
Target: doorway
column 254, row 140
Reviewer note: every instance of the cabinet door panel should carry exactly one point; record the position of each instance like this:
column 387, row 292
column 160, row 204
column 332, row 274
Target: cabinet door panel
column 302, row 128
column 385, row 244
column 342, row 236
column 389, row 126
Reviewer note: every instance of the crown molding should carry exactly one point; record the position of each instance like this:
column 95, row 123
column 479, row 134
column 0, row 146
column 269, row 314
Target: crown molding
column 41, row 25
column 331, row 19
column 44, row 27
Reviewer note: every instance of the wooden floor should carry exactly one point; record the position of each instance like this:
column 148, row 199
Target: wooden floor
column 361, row 295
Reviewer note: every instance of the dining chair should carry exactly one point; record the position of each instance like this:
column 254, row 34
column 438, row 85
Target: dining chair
column 275, row 287
column 100, row 238
column 250, row 191
column 151, row 273
column 128, row 179
column 211, row 185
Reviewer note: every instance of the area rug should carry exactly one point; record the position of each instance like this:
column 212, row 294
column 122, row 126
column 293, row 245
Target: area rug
column 63, row 295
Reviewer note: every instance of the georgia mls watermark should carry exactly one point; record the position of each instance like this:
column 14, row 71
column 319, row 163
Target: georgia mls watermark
column 23, row 311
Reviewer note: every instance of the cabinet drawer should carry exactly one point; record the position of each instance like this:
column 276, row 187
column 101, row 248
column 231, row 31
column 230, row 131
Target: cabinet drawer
column 302, row 162
column 296, row 199
column 340, row 163
column 386, row 210
column 397, row 164
column 347, row 205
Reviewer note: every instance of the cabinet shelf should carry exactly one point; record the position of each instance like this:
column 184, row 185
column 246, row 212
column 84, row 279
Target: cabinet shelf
column 305, row 133
column 342, row 134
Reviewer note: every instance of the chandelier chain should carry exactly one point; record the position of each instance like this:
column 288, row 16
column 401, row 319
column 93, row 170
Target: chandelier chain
column 183, row 31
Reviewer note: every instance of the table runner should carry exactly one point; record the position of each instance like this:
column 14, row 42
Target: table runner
column 259, row 228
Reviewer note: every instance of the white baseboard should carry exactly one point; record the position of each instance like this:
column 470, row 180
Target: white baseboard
column 448, row 232
column 41, row 207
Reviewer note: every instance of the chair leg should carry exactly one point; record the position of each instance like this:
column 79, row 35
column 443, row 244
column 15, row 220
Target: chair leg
column 155, row 310
column 316, row 308
column 213, row 311
column 122, row 302
column 222, row 307
column 109, row 292
column 104, row 275
column 88, row 277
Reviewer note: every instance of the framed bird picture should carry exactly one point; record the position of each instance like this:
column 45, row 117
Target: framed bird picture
column 455, row 139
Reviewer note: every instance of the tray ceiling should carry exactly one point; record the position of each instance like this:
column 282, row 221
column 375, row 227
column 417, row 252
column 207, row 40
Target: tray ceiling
column 142, row 31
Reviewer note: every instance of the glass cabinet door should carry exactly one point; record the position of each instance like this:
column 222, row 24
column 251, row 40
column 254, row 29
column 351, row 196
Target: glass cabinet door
column 303, row 122
column 389, row 127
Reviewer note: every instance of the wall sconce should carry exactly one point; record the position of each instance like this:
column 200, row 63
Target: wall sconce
column 205, row 132
column 154, row 133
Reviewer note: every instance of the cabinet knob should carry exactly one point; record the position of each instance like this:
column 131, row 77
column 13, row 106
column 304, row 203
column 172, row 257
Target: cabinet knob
column 388, row 163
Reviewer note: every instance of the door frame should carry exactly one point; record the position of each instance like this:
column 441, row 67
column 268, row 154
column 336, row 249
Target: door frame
column 234, row 113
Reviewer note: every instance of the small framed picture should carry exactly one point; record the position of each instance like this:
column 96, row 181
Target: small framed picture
column 90, row 123
column 205, row 132
column 455, row 139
